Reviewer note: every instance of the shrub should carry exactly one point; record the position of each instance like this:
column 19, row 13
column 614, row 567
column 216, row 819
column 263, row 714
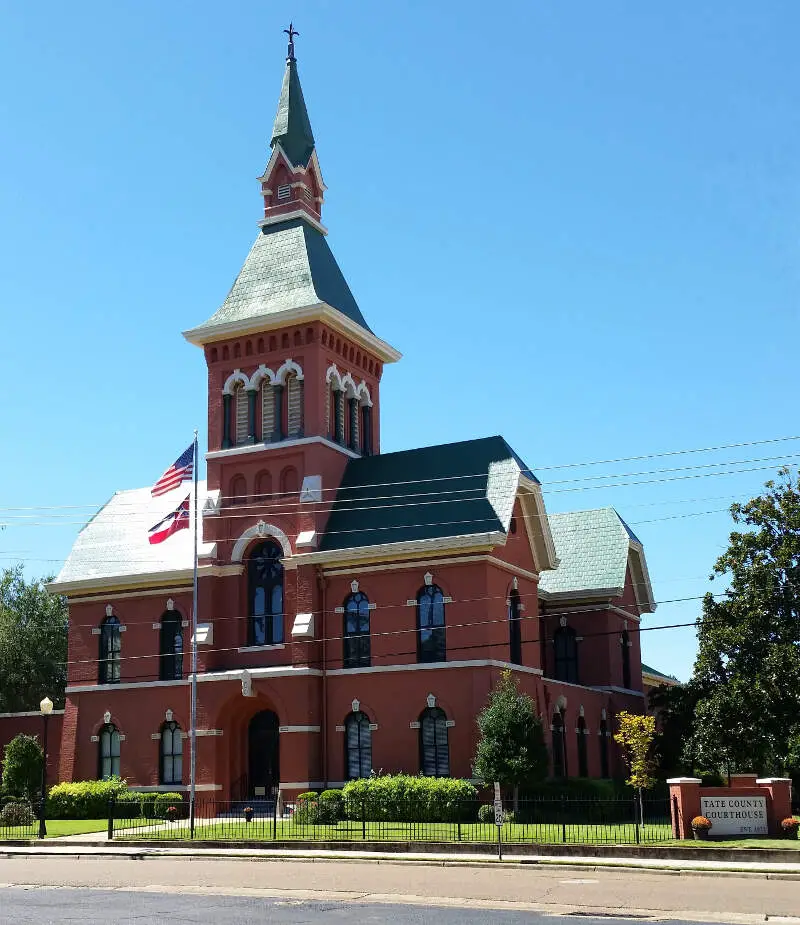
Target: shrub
column 331, row 806
column 404, row 798
column 164, row 801
column 486, row 813
column 22, row 766
column 306, row 810
column 16, row 814
column 710, row 779
column 85, row 799
column 701, row 824
column 127, row 805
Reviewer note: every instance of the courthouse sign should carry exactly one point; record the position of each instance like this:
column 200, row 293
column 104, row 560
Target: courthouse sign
column 736, row 815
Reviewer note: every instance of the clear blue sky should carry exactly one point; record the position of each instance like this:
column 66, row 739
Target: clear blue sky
column 578, row 222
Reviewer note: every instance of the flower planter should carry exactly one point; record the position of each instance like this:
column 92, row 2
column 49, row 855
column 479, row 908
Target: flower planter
column 790, row 833
column 700, row 834
column 248, row 815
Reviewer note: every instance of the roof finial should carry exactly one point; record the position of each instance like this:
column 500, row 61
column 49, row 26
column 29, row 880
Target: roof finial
column 291, row 33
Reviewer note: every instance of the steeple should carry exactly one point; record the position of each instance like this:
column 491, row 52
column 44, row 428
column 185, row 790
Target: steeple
column 292, row 183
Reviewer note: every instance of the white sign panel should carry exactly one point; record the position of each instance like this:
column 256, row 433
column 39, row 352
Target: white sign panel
column 735, row 815
column 498, row 812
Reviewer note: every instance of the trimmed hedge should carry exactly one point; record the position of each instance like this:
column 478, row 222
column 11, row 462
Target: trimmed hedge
column 85, row 799
column 404, row 798
column 165, row 800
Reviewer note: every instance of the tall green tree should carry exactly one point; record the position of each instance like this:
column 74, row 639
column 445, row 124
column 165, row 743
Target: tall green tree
column 33, row 643
column 674, row 708
column 511, row 748
column 22, row 766
column 748, row 664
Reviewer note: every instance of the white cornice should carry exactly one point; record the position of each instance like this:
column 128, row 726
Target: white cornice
column 288, row 216
column 412, row 548
column 30, row 713
column 278, row 671
column 122, row 686
column 134, row 582
column 431, row 666
column 282, row 444
column 319, row 311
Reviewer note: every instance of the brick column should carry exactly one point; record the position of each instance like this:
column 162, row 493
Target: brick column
column 779, row 802
column 684, row 801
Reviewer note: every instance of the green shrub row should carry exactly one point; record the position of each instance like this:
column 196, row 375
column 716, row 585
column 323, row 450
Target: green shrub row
column 90, row 799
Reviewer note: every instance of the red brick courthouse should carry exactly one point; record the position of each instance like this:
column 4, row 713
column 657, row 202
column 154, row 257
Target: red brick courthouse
column 355, row 607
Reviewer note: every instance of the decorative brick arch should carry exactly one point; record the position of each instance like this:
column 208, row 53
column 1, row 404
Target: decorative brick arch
column 362, row 394
column 333, row 377
column 288, row 366
column 236, row 376
column 262, row 373
column 260, row 531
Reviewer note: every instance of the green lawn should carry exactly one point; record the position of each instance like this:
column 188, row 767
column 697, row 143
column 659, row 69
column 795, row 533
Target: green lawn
column 59, row 827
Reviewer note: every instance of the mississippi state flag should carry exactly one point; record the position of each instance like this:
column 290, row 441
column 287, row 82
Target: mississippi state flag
column 180, row 471
column 177, row 520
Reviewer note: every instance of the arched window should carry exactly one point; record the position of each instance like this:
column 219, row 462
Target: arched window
column 625, row 644
column 268, row 411
column 366, row 430
column 353, row 422
column 242, row 414
column 356, row 631
column 565, row 643
column 265, row 585
column 290, row 482
column 431, row 645
column 170, row 762
column 238, row 490
column 583, row 758
column 559, row 747
column 337, row 415
column 434, row 751
column 514, row 628
column 604, row 748
column 171, row 647
column 108, row 752
column 110, row 649
column 358, row 746
column 263, row 487
column 294, row 402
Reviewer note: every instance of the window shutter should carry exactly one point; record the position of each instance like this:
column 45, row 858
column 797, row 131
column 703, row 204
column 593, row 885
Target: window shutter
column 295, row 402
column 267, row 411
column 242, row 415
column 428, row 733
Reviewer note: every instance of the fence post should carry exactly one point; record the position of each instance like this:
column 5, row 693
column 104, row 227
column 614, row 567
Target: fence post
column 636, row 808
column 363, row 821
column 110, row 818
column 563, row 818
column 275, row 815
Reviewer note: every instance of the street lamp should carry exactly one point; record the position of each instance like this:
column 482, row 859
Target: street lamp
column 46, row 707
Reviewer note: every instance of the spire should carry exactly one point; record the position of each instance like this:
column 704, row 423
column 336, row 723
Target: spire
column 292, row 129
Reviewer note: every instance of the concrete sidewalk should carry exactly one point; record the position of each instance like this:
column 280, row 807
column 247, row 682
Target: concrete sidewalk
column 80, row 846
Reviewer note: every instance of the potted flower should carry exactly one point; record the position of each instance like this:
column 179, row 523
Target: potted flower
column 789, row 827
column 701, row 826
column 171, row 813
column 249, row 812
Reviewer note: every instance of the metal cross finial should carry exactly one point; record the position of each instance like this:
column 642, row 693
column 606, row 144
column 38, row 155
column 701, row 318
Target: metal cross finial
column 291, row 32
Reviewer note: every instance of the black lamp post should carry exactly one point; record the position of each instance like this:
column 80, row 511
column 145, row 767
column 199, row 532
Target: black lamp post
column 46, row 706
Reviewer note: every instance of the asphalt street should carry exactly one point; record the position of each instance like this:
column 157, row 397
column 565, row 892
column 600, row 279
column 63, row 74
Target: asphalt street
column 42, row 906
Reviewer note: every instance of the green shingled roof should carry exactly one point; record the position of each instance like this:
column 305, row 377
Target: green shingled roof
column 593, row 549
column 646, row 669
column 289, row 266
column 292, row 128
column 452, row 490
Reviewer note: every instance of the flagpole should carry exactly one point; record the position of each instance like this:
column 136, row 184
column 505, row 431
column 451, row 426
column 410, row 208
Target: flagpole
column 193, row 717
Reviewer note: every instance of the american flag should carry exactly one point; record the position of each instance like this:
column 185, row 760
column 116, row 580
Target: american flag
column 180, row 471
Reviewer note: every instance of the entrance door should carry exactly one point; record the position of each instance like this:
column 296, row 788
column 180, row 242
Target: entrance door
column 262, row 745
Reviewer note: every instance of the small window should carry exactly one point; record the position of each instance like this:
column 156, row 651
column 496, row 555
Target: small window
column 356, row 631
column 110, row 651
column 583, row 758
column 559, row 747
column 284, row 192
column 171, row 755
column 434, row 750
column 431, row 644
column 515, row 627
column 565, row 643
column 358, row 746
column 171, row 648
column 108, row 752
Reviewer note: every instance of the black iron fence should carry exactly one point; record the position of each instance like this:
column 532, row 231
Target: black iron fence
column 19, row 819
column 533, row 821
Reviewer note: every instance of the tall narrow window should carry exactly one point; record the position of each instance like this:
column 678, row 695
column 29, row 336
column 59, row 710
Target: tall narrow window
column 625, row 644
column 583, row 758
column 565, row 644
column 514, row 628
column 267, row 411
column 559, row 747
column 110, row 650
column 353, row 422
column 356, row 631
column 171, row 647
column 171, row 755
column 431, row 645
column 265, row 585
column 434, row 750
column 358, row 745
column 242, row 411
column 294, row 400
column 338, row 415
column 366, row 430
column 108, row 752
column 604, row 748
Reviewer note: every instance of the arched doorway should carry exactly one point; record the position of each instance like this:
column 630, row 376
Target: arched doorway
column 262, row 754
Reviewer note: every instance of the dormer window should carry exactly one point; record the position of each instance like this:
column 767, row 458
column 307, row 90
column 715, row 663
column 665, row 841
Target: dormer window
column 284, row 192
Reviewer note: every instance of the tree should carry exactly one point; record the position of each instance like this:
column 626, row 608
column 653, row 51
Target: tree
column 635, row 737
column 33, row 643
column 674, row 708
column 748, row 662
column 22, row 766
column 511, row 748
